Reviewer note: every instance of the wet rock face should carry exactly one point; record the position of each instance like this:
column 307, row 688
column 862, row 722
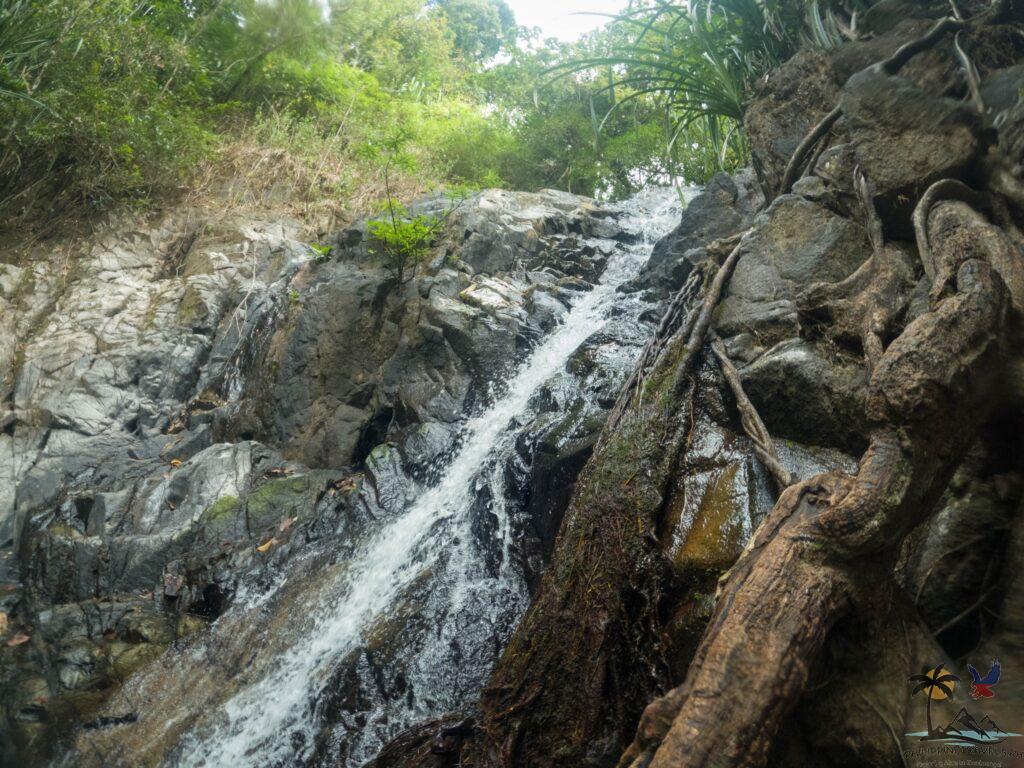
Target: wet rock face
column 718, row 497
column 785, row 366
column 905, row 138
column 356, row 359
column 502, row 230
column 725, row 206
column 793, row 244
column 188, row 409
column 802, row 91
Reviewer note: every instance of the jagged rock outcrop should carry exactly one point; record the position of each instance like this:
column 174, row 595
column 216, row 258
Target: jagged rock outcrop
column 726, row 205
column 189, row 404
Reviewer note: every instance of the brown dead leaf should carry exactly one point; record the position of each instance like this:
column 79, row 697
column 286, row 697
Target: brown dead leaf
column 344, row 484
column 109, row 633
column 17, row 639
column 4, row 623
column 265, row 546
column 287, row 523
column 175, row 462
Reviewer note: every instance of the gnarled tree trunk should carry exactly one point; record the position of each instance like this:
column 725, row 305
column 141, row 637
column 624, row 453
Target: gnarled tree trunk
column 830, row 542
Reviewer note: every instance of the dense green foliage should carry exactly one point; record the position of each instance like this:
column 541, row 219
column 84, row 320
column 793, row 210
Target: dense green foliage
column 703, row 59
column 302, row 103
column 107, row 98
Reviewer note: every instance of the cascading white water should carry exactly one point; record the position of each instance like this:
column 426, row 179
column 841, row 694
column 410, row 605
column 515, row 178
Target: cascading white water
column 259, row 723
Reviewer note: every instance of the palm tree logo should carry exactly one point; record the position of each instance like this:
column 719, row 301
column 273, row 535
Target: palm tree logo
column 937, row 686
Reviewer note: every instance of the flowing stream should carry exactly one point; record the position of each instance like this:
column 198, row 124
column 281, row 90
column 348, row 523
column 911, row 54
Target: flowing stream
column 472, row 603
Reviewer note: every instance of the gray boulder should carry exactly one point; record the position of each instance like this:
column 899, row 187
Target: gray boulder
column 724, row 207
column 905, row 138
column 793, row 243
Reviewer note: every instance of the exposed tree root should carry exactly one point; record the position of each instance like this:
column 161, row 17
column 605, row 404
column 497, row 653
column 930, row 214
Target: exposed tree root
column 819, row 150
column 807, row 564
column 764, row 448
column 588, row 654
column 702, row 321
column 970, row 73
column 907, row 51
column 866, row 305
column 670, row 323
column 673, row 324
column 795, row 164
column 945, row 189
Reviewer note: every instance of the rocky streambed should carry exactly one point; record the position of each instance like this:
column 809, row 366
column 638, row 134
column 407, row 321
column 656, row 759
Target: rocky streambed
column 264, row 504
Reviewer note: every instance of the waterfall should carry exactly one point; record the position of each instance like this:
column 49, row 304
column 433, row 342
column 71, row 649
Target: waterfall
column 472, row 605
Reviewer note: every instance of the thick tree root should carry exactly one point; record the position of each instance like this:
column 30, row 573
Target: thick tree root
column 673, row 325
column 945, row 189
column 588, row 654
column 808, row 561
column 866, row 305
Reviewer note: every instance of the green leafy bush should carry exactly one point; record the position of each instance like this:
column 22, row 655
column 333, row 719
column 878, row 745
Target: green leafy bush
column 91, row 101
column 403, row 241
column 277, row 103
column 321, row 253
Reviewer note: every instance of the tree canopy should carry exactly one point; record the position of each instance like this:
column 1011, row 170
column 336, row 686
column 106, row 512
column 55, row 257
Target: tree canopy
column 113, row 101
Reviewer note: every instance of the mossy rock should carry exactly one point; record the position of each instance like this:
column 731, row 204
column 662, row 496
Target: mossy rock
column 134, row 657
column 278, row 499
column 221, row 520
column 154, row 627
column 193, row 311
column 718, row 531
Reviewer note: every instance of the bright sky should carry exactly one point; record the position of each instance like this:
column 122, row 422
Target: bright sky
column 556, row 19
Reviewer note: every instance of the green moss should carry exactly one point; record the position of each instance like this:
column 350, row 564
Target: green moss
column 277, row 499
column 219, row 518
column 222, row 507
column 716, row 537
column 192, row 308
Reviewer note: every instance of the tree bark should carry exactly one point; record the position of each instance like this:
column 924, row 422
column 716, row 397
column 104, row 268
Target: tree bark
column 830, row 542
